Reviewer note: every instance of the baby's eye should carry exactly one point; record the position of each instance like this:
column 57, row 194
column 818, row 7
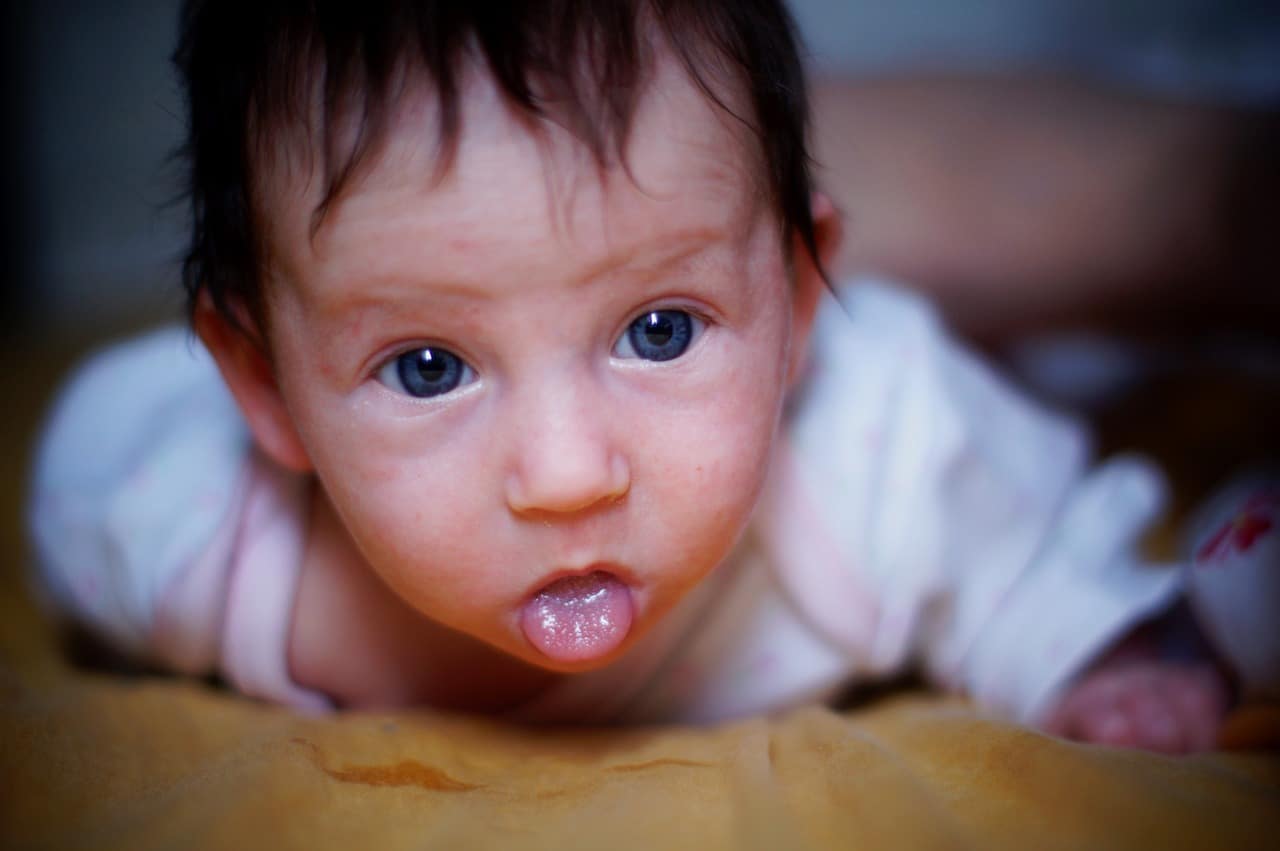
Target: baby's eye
column 426, row 372
column 659, row 335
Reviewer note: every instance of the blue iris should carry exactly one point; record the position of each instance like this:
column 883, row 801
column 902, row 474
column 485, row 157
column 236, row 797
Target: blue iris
column 661, row 334
column 429, row 372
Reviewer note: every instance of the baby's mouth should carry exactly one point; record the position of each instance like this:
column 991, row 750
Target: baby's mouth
column 579, row 618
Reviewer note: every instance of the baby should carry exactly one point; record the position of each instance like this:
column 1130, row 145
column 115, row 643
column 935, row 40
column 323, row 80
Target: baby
column 539, row 404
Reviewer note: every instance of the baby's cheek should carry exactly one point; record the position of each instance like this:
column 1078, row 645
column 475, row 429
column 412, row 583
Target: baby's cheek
column 723, row 463
column 416, row 536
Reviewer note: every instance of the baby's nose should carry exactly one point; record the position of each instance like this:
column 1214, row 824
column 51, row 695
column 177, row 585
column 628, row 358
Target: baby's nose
column 566, row 460
column 565, row 485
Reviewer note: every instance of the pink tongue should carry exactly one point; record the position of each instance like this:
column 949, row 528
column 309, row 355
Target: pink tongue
column 579, row 617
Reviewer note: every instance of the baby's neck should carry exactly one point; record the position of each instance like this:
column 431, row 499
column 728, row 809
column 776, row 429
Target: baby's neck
column 354, row 640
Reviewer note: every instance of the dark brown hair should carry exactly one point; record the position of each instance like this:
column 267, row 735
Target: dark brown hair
column 250, row 69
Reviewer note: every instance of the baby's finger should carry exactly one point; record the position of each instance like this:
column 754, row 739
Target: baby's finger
column 1111, row 726
column 1156, row 725
column 1079, row 711
column 1101, row 717
column 1200, row 700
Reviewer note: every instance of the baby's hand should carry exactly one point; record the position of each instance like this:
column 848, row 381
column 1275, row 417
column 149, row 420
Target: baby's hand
column 1144, row 703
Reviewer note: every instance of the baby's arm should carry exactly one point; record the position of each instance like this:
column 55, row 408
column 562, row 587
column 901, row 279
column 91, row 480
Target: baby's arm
column 135, row 487
column 1133, row 697
column 1000, row 560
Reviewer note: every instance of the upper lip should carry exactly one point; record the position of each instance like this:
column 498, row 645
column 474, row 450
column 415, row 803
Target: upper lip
column 614, row 569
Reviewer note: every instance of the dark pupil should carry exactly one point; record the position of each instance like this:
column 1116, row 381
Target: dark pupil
column 658, row 329
column 429, row 372
column 661, row 335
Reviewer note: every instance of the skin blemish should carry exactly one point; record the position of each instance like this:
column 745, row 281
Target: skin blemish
column 407, row 772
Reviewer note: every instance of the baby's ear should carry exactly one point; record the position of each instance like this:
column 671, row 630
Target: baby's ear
column 828, row 231
column 246, row 368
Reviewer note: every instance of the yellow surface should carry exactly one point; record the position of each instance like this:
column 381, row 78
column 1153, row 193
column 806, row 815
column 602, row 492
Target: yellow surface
column 96, row 760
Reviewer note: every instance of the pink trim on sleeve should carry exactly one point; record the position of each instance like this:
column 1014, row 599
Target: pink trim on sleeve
column 813, row 571
column 261, row 587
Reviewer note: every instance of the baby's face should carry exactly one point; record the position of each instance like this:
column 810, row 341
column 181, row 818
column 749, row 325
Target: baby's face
column 543, row 402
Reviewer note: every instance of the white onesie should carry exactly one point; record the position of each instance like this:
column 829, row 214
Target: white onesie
column 918, row 510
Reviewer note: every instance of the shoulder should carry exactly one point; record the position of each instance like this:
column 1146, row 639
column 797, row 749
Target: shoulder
column 880, row 309
column 870, row 337
column 136, row 467
column 119, row 398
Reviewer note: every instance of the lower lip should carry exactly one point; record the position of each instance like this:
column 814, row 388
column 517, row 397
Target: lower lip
column 579, row 619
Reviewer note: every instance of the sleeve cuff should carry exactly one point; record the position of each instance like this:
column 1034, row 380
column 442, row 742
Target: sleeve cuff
column 1085, row 619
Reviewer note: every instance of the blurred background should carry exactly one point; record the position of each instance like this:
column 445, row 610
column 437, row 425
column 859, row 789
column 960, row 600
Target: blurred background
column 910, row 92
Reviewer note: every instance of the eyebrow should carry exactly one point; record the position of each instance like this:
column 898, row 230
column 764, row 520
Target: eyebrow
column 648, row 260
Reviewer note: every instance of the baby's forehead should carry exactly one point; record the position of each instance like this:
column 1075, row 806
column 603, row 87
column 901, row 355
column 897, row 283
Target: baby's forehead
column 679, row 138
